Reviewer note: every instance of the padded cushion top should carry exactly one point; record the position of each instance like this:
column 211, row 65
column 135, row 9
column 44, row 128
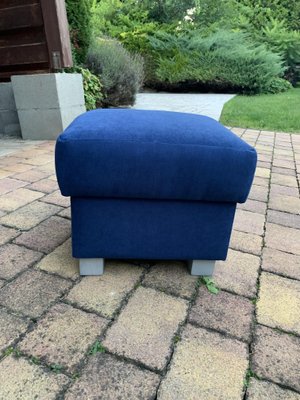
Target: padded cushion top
column 155, row 155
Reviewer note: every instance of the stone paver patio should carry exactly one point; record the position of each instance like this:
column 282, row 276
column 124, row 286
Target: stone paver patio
column 149, row 331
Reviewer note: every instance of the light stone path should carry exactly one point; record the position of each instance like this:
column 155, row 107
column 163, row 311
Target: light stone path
column 209, row 104
column 144, row 331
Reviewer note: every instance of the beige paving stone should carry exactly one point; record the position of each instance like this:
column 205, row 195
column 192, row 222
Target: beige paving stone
column 246, row 242
column 29, row 216
column 281, row 263
column 57, row 199
column 279, row 303
column 276, row 357
column 253, row 206
column 32, row 292
column 284, row 163
column 6, row 234
column 27, row 381
column 14, row 259
column 262, row 172
column 249, row 222
column 18, row 198
column 284, row 171
column 30, row 176
column 261, row 390
column 284, row 180
column 1, row 283
column 11, row 327
column 66, row 213
column 18, row 167
column 9, row 160
column 259, row 181
column 40, row 159
column 259, row 193
column 44, row 185
column 172, row 277
column 283, row 218
column 61, row 262
column 285, row 203
column 119, row 380
column 4, row 173
column 224, row 312
column 9, row 184
column 47, row 235
column 238, row 273
column 63, row 336
column 105, row 293
column 145, row 328
column 48, row 168
column 282, row 238
column 283, row 190
column 198, row 369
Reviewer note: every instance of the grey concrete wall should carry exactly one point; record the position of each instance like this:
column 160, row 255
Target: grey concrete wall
column 47, row 103
column 9, row 121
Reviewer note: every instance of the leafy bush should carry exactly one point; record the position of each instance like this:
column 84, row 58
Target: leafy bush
column 225, row 59
column 120, row 72
column 91, row 85
column 79, row 18
column 278, row 85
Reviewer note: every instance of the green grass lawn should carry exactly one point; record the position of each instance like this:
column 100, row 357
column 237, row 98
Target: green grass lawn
column 275, row 112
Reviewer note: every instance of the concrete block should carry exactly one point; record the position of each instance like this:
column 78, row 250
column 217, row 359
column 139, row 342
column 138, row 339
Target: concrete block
column 40, row 124
column 9, row 121
column 7, row 100
column 70, row 90
column 68, row 114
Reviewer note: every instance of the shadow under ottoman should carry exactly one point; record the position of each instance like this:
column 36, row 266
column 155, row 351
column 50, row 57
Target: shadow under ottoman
column 152, row 185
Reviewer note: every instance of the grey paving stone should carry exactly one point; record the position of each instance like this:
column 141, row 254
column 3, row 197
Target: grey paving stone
column 11, row 327
column 260, row 390
column 246, row 242
column 32, row 292
column 6, row 234
column 283, row 218
column 282, row 238
column 249, row 222
column 118, row 380
column 281, row 263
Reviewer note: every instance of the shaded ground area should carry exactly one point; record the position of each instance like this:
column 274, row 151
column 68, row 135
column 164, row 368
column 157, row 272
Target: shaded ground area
column 150, row 331
column 209, row 104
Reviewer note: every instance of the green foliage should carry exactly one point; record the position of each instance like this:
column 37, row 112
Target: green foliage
column 97, row 348
column 224, row 59
column 79, row 18
column 91, row 85
column 278, row 85
column 210, row 285
column 56, row 368
column 120, row 72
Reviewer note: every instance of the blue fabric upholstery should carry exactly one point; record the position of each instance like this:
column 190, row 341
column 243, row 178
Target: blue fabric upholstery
column 150, row 229
column 122, row 153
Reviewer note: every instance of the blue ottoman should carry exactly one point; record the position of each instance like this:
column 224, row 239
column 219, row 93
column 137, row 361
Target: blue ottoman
column 152, row 185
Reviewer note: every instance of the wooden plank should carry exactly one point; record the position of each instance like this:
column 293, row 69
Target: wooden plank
column 36, row 53
column 57, row 33
column 16, row 3
column 33, row 69
column 22, row 36
column 20, row 17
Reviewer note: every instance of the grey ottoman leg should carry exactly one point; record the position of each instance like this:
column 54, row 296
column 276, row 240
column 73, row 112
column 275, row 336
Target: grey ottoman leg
column 201, row 267
column 91, row 266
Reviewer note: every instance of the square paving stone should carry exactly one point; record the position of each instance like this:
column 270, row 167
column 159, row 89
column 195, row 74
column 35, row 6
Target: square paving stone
column 246, row 242
column 283, row 218
column 63, row 336
column 29, row 216
column 44, row 185
column 260, row 390
column 11, row 327
column 279, row 303
column 6, row 234
column 285, row 180
column 285, row 203
column 57, row 199
column 261, row 181
column 276, row 357
column 18, row 198
column 145, row 328
column 27, row 381
column 172, row 277
column 61, row 262
column 259, row 193
column 205, row 365
column 283, row 238
column 224, row 312
column 118, row 380
column 32, row 292
column 18, row 167
column 238, row 273
column 249, row 222
column 14, row 259
column 47, row 235
column 31, row 176
column 283, row 190
column 105, row 293
column 9, row 184
column 262, row 172
column 281, row 263
column 253, row 206
column 4, row 173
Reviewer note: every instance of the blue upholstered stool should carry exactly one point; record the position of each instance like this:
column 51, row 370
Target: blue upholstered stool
column 152, row 185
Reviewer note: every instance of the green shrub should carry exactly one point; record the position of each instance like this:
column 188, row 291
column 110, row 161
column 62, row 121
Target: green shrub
column 226, row 60
column 91, row 85
column 278, row 85
column 79, row 18
column 120, row 72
